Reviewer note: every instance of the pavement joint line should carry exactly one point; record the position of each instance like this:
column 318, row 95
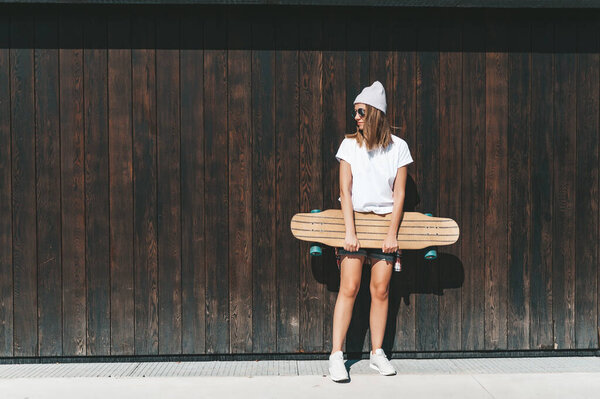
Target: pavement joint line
column 482, row 386
column 133, row 370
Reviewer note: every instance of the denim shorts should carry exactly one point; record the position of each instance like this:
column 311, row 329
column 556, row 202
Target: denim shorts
column 376, row 253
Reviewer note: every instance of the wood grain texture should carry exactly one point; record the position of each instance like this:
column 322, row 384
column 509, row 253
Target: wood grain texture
column 586, row 187
column 74, row 317
column 264, row 237
column 24, row 238
column 287, row 174
column 405, row 120
column 145, row 224
column 6, row 263
column 122, row 314
column 216, row 175
column 48, row 185
column 451, row 81
column 335, row 114
column 169, row 184
column 97, row 237
column 131, row 170
column 565, row 162
column 496, row 182
column 542, row 187
column 416, row 230
column 193, row 238
column 310, row 72
column 358, row 70
column 240, row 162
column 427, row 177
column 473, row 184
column 519, row 201
column 382, row 58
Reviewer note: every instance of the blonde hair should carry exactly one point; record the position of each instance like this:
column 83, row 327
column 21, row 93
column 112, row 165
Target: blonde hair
column 376, row 131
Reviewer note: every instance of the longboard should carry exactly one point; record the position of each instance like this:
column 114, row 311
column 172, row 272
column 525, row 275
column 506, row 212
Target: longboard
column 416, row 231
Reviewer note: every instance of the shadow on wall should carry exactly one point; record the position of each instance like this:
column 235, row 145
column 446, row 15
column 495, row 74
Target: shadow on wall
column 418, row 276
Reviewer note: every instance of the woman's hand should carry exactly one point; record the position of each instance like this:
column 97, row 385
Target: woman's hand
column 351, row 243
column 390, row 244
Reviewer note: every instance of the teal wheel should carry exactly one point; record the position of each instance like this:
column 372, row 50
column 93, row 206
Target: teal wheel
column 431, row 252
column 315, row 249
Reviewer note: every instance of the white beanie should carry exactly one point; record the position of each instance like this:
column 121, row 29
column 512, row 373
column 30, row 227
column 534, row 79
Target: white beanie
column 373, row 95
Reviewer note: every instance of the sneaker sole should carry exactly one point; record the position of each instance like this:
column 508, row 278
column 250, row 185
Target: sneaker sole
column 339, row 379
column 380, row 372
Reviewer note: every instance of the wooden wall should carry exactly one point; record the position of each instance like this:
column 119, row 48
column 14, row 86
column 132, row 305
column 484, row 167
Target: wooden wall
column 151, row 160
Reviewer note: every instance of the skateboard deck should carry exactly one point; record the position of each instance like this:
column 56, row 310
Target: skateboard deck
column 417, row 230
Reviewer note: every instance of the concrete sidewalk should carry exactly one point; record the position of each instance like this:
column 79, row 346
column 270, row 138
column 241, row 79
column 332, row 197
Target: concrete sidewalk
column 563, row 377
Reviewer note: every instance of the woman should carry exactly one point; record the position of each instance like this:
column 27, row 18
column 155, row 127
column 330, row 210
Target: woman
column 372, row 179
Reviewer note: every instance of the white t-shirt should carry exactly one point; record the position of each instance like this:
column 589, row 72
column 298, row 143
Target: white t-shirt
column 373, row 173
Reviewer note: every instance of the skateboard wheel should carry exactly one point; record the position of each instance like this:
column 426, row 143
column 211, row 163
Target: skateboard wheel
column 316, row 250
column 431, row 253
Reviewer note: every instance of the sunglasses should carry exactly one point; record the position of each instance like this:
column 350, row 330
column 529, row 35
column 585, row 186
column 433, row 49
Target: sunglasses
column 360, row 111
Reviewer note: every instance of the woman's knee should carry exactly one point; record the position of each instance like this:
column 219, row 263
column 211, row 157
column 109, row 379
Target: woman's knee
column 349, row 289
column 380, row 291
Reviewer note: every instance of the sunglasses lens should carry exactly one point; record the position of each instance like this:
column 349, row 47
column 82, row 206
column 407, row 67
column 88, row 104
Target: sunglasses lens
column 360, row 111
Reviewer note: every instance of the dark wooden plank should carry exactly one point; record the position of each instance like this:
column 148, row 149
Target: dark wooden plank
column 427, row 177
column 496, row 166
column 287, row 192
column 311, row 182
column 24, row 243
column 74, row 317
column 387, row 4
column 542, row 137
column 519, row 201
column 143, row 61
column 6, row 268
column 48, row 185
column 122, row 314
column 239, row 118
column 402, row 284
column 357, row 77
column 563, row 215
column 586, row 186
column 169, row 183
column 335, row 114
column 193, row 266
column 357, row 65
column 451, row 81
column 473, row 184
column 264, row 238
column 97, row 239
column 216, row 183
column 382, row 57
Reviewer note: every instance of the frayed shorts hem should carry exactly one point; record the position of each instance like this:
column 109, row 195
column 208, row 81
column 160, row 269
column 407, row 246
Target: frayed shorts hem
column 376, row 253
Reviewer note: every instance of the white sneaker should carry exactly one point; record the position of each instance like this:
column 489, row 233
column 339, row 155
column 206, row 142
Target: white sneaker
column 337, row 368
column 380, row 362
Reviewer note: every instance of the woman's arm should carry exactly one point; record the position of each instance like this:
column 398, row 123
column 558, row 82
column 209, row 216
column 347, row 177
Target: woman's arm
column 390, row 244
column 352, row 243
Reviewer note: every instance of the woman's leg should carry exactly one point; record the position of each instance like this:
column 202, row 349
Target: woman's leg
column 350, row 274
column 381, row 273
